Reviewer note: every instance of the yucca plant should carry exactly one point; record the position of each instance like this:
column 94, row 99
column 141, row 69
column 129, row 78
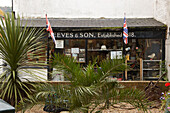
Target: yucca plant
column 15, row 44
column 91, row 88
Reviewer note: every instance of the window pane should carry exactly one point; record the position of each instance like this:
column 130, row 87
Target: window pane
column 147, row 49
column 38, row 54
column 101, row 48
column 76, row 49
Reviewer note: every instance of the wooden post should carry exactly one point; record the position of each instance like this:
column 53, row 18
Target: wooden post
column 48, row 57
column 141, row 69
column 126, row 70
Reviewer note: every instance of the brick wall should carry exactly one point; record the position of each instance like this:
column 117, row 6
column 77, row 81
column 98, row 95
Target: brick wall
column 128, row 84
column 142, row 84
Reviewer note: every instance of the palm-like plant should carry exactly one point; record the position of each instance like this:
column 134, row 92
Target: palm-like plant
column 15, row 43
column 90, row 88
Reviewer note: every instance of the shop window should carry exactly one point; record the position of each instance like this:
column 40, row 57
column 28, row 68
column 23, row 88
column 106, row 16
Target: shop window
column 150, row 51
column 153, row 49
column 75, row 48
column 103, row 48
column 37, row 55
column 147, row 49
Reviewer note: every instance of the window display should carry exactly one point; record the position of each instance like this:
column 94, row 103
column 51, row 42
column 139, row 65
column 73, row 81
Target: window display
column 85, row 51
column 116, row 54
column 76, row 49
column 104, row 49
column 147, row 49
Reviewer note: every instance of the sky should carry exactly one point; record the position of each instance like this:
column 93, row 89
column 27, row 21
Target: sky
column 5, row 2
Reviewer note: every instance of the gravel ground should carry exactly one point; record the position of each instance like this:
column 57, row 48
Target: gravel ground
column 125, row 108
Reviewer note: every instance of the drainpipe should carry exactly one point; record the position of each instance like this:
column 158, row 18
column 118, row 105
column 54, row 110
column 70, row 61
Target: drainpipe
column 13, row 9
column 12, row 5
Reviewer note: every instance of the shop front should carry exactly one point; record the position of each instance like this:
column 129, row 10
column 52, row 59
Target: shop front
column 87, row 39
column 144, row 52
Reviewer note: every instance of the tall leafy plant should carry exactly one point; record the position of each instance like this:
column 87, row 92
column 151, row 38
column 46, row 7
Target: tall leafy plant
column 15, row 43
column 92, row 86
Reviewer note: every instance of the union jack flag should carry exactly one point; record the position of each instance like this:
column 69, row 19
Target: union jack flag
column 125, row 32
column 48, row 28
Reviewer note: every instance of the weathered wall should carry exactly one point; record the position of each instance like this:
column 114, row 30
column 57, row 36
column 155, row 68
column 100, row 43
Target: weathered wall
column 33, row 74
column 84, row 8
column 168, row 39
column 162, row 14
column 160, row 10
